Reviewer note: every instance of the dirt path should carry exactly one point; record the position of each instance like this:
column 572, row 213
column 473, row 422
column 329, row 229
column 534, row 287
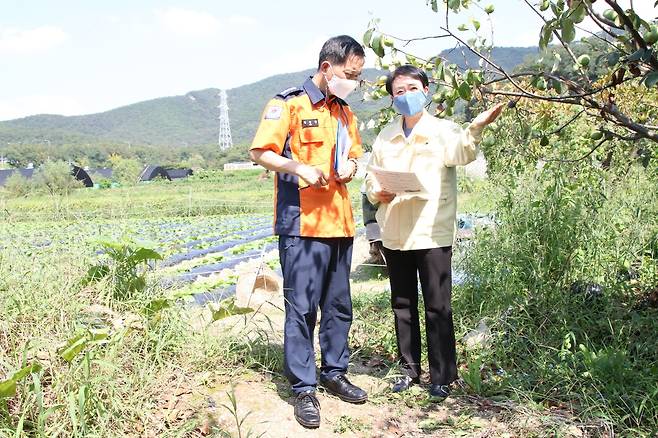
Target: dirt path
column 264, row 401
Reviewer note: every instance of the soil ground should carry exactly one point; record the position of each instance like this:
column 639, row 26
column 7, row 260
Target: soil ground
column 265, row 403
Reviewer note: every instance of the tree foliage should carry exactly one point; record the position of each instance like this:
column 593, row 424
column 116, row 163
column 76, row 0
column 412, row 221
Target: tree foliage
column 586, row 75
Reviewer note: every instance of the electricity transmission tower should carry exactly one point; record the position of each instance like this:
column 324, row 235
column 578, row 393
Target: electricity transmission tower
column 225, row 141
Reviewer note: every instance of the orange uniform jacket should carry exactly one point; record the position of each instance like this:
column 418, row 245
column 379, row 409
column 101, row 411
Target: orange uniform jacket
column 301, row 125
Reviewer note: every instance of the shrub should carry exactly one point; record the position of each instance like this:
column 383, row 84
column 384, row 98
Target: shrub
column 553, row 278
column 126, row 170
column 17, row 185
column 55, row 178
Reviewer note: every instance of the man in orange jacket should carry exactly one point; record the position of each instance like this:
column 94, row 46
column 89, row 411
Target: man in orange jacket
column 308, row 135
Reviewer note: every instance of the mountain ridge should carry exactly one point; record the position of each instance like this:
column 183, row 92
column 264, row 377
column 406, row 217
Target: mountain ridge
column 191, row 118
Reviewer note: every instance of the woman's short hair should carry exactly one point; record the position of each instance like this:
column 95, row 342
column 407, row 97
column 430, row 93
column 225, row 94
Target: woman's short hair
column 407, row 70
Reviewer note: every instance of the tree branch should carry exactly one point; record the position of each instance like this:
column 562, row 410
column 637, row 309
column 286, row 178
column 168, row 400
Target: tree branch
column 562, row 160
column 622, row 119
column 599, row 20
column 628, row 25
column 565, row 45
column 571, row 120
column 558, row 78
column 406, row 41
column 635, row 137
column 602, row 39
column 564, row 100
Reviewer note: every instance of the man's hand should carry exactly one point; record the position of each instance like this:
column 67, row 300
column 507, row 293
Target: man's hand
column 483, row 119
column 312, row 176
column 345, row 172
column 384, row 197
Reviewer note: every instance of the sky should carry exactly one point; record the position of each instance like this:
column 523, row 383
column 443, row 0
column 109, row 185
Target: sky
column 75, row 57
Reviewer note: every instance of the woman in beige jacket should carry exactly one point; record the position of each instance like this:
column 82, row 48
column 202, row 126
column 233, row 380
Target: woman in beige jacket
column 418, row 229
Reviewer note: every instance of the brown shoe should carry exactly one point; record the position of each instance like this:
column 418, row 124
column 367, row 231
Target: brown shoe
column 376, row 254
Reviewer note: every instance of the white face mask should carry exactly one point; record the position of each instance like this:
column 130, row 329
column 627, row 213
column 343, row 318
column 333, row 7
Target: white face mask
column 340, row 87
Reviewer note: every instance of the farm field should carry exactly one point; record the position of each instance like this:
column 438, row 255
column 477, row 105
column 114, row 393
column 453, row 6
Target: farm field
column 168, row 359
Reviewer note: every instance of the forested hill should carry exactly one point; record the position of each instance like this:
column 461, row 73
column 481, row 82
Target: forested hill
column 191, row 119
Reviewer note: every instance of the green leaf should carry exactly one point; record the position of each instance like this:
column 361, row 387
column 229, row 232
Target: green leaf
column 643, row 54
column 8, row 387
column 76, row 344
column 539, row 83
column 464, row 91
column 454, row 5
column 557, row 7
column 489, row 9
column 156, row 305
column 578, row 11
column 613, row 59
column 137, row 284
column 367, row 37
column 558, row 86
column 435, row 6
column 117, row 246
column 73, row 348
column 651, row 80
column 476, row 25
column 144, row 254
column 440, row 72
column 95, row 273
column 98, row 335
column 462, row 27
column 568, row 30
column 377, row 45
column 26, row 371
column 228, row 308
column 473, row 77
column 546, row 36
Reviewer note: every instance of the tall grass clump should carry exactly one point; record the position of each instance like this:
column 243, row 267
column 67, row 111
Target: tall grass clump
column 112, row 357
column 567, row 282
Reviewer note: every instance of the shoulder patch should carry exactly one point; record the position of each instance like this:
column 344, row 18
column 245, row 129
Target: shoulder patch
column 290, row 92
column 273, row 112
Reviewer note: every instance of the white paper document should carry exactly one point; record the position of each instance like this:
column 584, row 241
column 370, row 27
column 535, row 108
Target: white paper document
column 397, row 182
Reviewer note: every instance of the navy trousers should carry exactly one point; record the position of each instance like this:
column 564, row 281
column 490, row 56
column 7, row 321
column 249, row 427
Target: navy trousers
column 315, row 275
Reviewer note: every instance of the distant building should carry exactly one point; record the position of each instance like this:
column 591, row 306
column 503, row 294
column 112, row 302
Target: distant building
column 77, row 172
column 151, row 172
column 243, row 165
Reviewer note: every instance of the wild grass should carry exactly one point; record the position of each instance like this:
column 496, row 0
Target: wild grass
column 209, row 193
column 122, row 366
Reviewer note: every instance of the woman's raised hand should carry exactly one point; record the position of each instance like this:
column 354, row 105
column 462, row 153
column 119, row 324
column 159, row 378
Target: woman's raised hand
column 488, row 116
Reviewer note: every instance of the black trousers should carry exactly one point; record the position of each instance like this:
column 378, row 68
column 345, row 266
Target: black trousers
column 435, row 271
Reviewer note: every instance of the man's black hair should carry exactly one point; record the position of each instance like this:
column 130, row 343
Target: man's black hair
column 339, row 49
column 406, row 70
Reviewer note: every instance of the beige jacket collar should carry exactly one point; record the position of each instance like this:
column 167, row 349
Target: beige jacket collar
column 423, row 128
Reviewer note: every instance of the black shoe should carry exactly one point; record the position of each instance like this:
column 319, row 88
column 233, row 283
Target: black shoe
column 439, row 391
column 404, row 383
column 307, row 409
column 343, row 389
